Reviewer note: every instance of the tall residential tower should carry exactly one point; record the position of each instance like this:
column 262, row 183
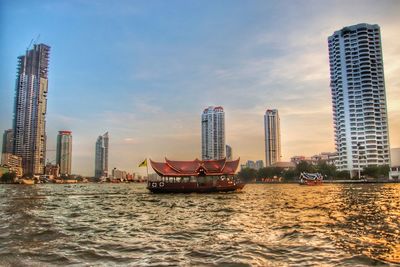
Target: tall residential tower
column 213, row 133
column 228, row 151
column 272, row 137
column 29, row 125
column 358, row 97
column 8, row 137
column 64, row 152
column 101, row 157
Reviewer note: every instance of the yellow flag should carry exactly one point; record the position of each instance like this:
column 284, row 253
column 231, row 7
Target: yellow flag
column 144, row 163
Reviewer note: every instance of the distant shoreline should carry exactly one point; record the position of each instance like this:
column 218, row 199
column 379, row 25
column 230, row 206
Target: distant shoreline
column 374, row 181
column 377, row 181
column 386, row 181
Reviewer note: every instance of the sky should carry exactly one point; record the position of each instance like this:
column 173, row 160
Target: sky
column 145, row 70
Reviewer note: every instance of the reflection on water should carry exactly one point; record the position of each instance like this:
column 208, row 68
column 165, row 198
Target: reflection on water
column 372, row 220
column 123, row 224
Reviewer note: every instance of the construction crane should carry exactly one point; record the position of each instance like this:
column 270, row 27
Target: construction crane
column 29, row 46
column 33, row 41
column 48, row 160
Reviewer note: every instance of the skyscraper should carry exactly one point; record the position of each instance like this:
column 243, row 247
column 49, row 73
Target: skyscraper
column 101, row 157
column 259, row 164
column 213, row 133
column 64, row 152
column 272, row 137
column 358, row 97
column 30, row 108
column 229, row 155
column 7, row 141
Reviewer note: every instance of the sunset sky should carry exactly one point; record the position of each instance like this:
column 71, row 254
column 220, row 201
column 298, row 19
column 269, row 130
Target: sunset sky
column 145, row 70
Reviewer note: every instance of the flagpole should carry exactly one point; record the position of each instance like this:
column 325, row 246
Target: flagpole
column 147, row 168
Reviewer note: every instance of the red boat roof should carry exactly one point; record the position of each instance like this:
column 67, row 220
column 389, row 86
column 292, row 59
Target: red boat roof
column 195, row 167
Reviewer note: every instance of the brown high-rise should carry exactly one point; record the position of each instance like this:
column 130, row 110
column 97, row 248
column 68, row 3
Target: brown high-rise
column 30, row 109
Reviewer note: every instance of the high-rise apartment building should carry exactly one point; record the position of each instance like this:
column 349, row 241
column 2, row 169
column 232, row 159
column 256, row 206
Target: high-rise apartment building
column 251, row 164
column 259, row 164
column 7, row 148
column 395, row 156
column 101, row 157
column 118, row 174
column 13, row 162
column 64, row 152
column 228, row 150
column 52, row 170
column 272, row 137
column 213, row 133
column 358, row 97
column 7, row 141
column 30, row 108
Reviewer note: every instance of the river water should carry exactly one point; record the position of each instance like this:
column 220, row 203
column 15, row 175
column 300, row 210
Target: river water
column 264, row 225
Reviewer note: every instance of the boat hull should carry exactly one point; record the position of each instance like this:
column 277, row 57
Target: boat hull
column 311, row 182
column 193, row 187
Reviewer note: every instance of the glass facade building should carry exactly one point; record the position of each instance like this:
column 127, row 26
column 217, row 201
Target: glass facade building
column 64, row 152
column 101, row 156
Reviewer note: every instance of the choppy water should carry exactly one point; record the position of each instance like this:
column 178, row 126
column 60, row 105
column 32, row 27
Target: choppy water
column 265, row 225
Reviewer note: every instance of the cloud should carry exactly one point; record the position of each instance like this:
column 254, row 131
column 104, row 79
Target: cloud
column 130, row 140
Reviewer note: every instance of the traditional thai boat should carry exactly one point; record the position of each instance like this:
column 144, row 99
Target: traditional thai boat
column 310, row 178
column 197, row 176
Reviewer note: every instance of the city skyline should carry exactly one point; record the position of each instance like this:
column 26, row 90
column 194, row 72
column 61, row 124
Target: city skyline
column 159, row 74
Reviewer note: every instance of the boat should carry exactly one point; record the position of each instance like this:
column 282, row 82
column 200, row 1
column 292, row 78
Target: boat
column 70, row 181
column 310, row 178
column 197, row 176
column 27, row 181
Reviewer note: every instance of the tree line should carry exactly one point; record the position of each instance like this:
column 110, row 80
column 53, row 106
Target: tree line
column 8, row 177
column 329, row 171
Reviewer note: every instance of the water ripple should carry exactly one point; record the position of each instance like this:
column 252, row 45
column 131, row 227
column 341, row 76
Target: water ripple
column 264, row 225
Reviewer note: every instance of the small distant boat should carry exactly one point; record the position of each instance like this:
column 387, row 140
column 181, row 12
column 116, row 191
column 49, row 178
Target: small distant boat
column 65, row 181
column 310, row 178
column 26, row 181
column 70, row 181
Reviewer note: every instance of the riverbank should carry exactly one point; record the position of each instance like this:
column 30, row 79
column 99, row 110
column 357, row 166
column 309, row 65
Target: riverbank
column 349, row 181
column 369, row 181
column 67, row 181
